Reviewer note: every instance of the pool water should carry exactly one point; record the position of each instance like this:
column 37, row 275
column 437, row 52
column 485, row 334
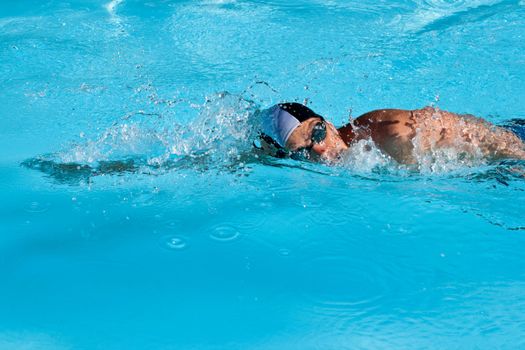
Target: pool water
column 135, row 214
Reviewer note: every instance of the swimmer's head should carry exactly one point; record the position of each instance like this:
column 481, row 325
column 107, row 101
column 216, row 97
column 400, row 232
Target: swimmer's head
column 282, row 119
column 302, row 132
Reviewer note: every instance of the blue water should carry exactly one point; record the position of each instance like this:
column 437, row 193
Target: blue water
column 135, row 215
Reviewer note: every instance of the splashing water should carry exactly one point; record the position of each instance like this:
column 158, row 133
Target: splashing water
column 219, row 137
column 222, row 137
column 365, row 157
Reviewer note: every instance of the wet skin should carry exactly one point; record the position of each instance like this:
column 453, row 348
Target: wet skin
column 403, row 133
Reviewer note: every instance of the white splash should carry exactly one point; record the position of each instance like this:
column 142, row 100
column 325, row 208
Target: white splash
column 223, row 130
column 429, row 11
column 128, row 140
column 365, row 157
column 111, row 6
column 114, row 18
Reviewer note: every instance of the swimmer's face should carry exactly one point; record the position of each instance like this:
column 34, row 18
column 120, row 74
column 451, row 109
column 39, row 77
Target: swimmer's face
column 307, row 140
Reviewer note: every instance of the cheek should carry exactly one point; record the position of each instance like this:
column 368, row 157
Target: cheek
column 337, row 142
column 333, row 137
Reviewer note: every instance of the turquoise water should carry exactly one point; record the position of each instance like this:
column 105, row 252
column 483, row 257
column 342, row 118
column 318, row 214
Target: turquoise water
column 134, row 213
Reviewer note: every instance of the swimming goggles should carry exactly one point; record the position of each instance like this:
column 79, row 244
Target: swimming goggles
column 318, row 135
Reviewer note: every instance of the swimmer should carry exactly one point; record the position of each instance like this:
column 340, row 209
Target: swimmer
column 292, row 129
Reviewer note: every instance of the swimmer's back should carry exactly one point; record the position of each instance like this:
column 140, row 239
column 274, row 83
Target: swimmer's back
column 403, row 133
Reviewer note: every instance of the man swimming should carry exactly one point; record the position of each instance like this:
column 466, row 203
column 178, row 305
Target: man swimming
column 295, row 130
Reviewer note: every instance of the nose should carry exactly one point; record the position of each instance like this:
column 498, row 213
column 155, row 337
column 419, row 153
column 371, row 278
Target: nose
column 319, row 148
column 328, row 151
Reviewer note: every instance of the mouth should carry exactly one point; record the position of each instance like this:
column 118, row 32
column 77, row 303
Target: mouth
column 334, row 156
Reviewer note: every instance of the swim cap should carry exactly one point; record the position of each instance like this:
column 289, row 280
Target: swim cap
column 281, row 120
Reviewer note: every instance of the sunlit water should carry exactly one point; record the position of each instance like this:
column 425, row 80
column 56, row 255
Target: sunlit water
column 136, row 214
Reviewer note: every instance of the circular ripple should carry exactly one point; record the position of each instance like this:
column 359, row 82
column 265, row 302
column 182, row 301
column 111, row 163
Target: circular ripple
column 224, row 233
column 284, row 252
column 36, row 207
column 346, row 284
column 174, row 242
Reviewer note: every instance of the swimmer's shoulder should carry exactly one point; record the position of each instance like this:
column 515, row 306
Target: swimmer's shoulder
column 385, row 115
column 379, row 124
column 387, row 122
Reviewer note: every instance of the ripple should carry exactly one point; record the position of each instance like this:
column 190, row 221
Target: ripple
column 252, row 219
column 284, row 252
column 224, row 233
column 172, row 242
column 37, row 207
column 445, row 4
column 345, row 288
column 348, row 280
